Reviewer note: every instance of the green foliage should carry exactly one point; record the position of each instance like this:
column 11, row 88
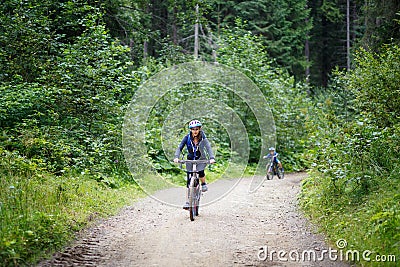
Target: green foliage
column 23, row 24
column 282, row 26
column 71, row 116
column 381, row 23
column 64, row 85
column 32, row 31
column 354, row 151
column 375, row 82
column 288, row 99
column 367, row 223
column 40, row 212
column 331, row 11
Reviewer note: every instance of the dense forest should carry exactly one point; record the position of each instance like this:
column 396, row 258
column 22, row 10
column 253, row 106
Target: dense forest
column 69, row 69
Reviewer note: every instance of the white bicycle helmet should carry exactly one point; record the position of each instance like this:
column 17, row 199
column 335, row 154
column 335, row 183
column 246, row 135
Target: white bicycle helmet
column 194, row 123
column 271, row 149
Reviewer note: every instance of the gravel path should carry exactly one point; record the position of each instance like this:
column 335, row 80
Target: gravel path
column 263, row 228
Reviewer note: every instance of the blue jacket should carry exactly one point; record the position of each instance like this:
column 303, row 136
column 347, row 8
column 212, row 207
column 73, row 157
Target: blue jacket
column 196, row 152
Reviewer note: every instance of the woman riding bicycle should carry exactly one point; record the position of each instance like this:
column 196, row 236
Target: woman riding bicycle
column 197, row 146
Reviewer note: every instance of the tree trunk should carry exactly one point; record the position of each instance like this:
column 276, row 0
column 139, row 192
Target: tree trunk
column 307, row 55
column 196, row 35
column 348, row 34
column 174, row 28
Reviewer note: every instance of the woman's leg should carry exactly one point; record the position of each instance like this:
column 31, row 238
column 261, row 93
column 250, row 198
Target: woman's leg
column 202, row 176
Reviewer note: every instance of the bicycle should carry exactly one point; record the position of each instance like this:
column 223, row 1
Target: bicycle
column 194, row 192
column 272, row 169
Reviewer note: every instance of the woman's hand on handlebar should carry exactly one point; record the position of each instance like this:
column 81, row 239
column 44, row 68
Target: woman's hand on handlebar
column 176, row 160
column 212, row 161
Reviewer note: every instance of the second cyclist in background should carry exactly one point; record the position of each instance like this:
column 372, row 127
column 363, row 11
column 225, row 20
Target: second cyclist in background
column 272, row 153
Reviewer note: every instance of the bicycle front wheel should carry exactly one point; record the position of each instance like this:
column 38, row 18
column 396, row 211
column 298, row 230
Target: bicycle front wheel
column 194, row 196
column 192, row 200
column 269, row 172
column 197, row 202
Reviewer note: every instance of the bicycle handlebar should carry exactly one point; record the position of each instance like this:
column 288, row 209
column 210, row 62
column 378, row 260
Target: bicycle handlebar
column 199, row 161
column 274, row 156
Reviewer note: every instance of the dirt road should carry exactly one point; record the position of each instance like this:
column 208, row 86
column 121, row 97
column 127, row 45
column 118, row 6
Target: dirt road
column 263, row 228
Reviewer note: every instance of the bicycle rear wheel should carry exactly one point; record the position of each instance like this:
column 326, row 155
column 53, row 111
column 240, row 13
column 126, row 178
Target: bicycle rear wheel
column 280, row 173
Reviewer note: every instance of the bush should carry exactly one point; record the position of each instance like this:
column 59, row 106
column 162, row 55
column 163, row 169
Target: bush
column 352, row 191
column 375, row 84
column 40, row 212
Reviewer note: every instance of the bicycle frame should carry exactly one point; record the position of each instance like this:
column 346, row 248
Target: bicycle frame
column 272, row 164
column 194, row 192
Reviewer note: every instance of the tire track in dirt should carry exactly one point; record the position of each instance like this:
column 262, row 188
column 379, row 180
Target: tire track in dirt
column 228, row 232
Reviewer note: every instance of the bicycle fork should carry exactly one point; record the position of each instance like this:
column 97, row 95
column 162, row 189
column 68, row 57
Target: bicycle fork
column 193, row 184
